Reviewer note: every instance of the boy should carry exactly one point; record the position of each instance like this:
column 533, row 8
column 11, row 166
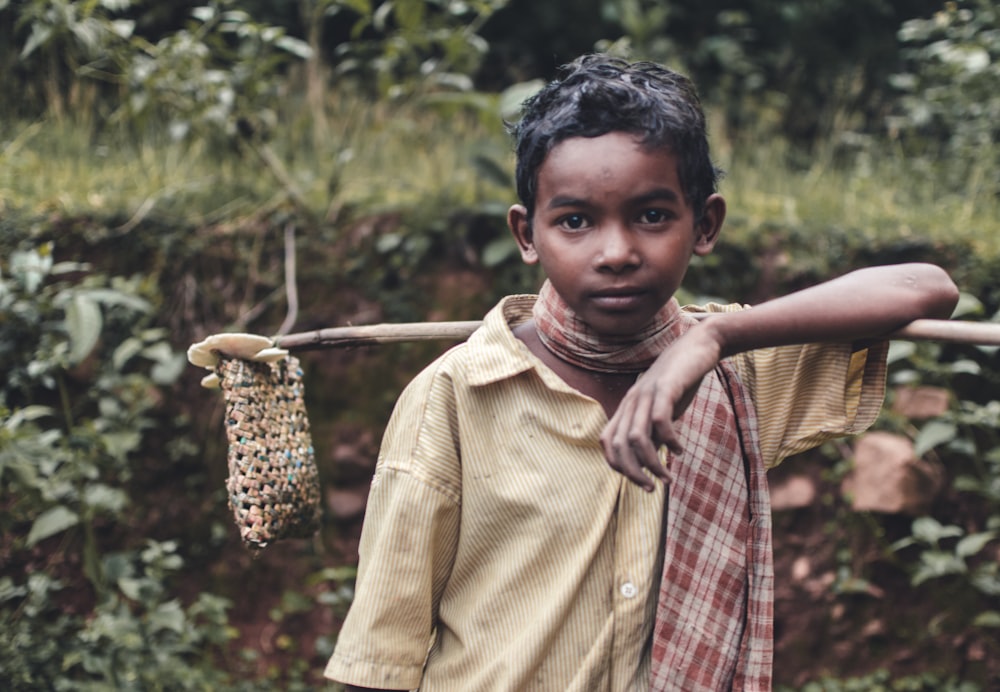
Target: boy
column 524, row 531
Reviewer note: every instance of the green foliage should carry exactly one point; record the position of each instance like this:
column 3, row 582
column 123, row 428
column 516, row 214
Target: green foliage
column 217, row 76
column 949, row 105
column 88, row 600
column 968, row 439
column 949, row 555
column 414, row 46
column 83, row 366
column 60, row 39
column 134, row 639
column 809, row 71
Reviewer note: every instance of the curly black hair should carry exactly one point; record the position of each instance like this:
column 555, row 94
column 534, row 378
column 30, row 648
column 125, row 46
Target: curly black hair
column 597, row 94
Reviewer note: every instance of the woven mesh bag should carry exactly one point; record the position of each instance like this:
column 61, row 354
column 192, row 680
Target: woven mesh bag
column 273, row 485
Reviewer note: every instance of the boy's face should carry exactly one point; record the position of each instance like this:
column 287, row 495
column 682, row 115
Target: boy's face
column 612, row 229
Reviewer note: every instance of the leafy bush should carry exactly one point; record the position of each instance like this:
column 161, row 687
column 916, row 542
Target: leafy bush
column 949, row 103
column 84, row 372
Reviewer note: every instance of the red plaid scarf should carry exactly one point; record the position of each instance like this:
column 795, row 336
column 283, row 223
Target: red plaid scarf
column 714, row 618
column 570, row 338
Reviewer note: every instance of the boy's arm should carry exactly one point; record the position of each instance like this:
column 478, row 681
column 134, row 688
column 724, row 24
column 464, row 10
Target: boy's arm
column 864, row 304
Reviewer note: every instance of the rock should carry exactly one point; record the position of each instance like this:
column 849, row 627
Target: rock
column 793, row 492
column 921, row 403
column 801, row 568
column 347, row 504
column 887, row 477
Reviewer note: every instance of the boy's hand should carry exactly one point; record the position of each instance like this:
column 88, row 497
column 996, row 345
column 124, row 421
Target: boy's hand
column 645, row 418
column 864, row 304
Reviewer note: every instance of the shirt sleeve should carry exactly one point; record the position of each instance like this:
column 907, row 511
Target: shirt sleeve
column 407, row 545
column 807, row 394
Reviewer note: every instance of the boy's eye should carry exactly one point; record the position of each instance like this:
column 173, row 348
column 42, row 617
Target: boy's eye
column 653, row 216
column 573, row 221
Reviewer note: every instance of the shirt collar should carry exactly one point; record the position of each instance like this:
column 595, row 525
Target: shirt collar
column 500, row 354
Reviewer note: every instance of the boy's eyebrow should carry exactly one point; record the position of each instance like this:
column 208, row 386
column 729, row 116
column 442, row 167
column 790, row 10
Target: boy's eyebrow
column 660, row 194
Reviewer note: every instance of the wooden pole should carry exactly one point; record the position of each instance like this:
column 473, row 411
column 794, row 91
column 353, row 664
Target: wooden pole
column 367, row 335
column 950, row 331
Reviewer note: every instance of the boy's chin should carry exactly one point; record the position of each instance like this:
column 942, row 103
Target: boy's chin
column 618, row 329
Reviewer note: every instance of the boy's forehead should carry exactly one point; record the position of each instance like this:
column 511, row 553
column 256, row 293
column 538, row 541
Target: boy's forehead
column 613, row 143
column 616, row 159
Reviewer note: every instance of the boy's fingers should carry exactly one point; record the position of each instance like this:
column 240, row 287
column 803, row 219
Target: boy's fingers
column 628, row 444
column 645, row 454
column 665, row 435
column 622, row 459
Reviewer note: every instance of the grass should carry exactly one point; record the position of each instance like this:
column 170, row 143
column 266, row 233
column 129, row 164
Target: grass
column 881, row 197
column 398, row 156
column 374, row 157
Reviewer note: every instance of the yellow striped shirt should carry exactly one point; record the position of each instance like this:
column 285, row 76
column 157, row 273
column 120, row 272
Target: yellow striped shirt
column 501, row 552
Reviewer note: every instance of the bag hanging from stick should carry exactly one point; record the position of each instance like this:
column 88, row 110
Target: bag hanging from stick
column 273, row 485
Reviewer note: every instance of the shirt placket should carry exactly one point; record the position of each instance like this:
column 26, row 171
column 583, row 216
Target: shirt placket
column 637, row 539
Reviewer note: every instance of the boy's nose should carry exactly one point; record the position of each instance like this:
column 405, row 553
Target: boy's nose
column 617, row 249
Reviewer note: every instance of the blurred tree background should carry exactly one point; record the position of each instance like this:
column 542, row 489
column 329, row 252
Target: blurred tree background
column 172, row 170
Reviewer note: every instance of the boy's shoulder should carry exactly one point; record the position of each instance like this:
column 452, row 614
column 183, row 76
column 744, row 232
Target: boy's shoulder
column 491, row 353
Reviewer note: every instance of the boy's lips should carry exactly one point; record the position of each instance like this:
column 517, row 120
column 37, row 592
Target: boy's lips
column 618, row 298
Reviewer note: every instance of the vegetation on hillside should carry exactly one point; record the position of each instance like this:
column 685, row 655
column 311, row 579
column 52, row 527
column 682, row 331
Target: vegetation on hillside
column 162, row 161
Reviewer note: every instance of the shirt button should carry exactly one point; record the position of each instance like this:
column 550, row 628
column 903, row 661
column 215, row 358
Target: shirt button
column 628, row 590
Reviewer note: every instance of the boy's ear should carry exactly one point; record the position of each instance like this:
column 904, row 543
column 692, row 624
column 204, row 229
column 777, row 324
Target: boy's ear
column 520, row 226
column 710, row 224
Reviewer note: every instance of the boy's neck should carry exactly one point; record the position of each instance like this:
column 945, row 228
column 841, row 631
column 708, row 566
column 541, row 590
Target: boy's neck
column 607, row 389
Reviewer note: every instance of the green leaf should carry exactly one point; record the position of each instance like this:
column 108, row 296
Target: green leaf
column 388, row 242
column 132, row 587
column 122, row 28
column 990, row 618
column 966, row 366
column 51, row 522
column 168, row 616
column 295, row 46
column 8, row 591
column 120, row 444
column 166, row 372
column 104, row 497
column 110, row 296
column 203, row 14
column 902, row 543
column 985, row 579
column 169, row 364
column 968, row 304
column 116, row 5
column 31, row 266
column 934, row 433
column 125, row 352
column 900, row 350
column 973, row 543
column 498, row 251
column 936, row 563
column 83, row 323
column 40, row 35
column 930, row 531
column 27, row 413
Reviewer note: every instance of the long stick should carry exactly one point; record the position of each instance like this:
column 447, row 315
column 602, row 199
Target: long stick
column 951, row 331
column 367, row 335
